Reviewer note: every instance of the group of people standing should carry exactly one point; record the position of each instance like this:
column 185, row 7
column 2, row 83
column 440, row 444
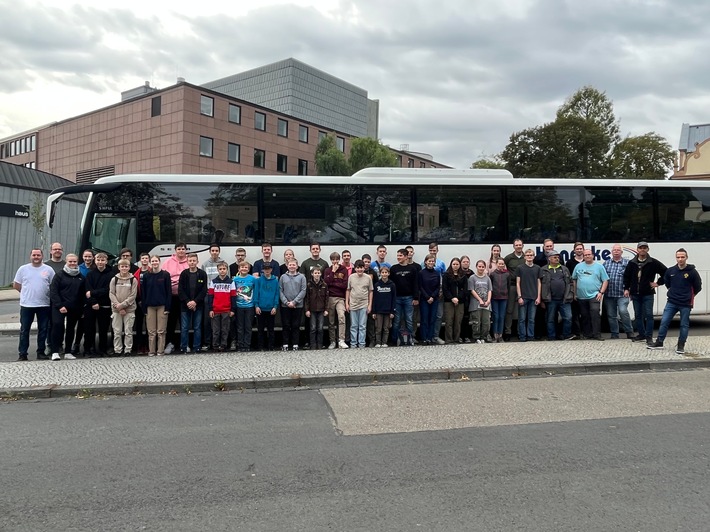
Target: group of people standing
column 366, row 302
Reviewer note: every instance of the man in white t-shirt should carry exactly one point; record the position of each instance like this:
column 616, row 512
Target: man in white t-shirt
column 32, row 281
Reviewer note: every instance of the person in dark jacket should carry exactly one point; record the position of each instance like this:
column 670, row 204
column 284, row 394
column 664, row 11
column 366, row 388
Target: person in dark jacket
column 98, row 306
column 192, row 292
column 683, row 282
column 454, row 292
column 156, row 298
column 429, row 286
column 67, row 298
column 642, row 276
column 557, row 296
column 316, row 305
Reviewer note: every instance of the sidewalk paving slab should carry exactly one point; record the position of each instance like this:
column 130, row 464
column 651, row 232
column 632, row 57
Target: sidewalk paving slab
column 262, row 371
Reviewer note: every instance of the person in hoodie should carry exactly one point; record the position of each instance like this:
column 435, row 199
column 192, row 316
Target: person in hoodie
column 500, row 283
column 210, row 267
column 66, row 295
column 244, row 284
column 384, row 298
column 336, row 277
column 221, row 304
column 683, row 283
column 292, row 292
column 316, row 305
column 123, row 291
column 192, row 292
column 98, row 306
column 156, row 298
column 174, row 265
column 266, row 301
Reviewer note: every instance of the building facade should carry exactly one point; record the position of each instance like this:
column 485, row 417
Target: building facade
column 693, row 152
column 183, row 129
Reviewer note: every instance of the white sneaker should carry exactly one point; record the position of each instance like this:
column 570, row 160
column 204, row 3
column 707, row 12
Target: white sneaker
column 169, row 348
column 69, row 356
column 331, row 345
column 439, row 341
column 295, row 348
column 284, row 347
column 55, row 356
column 342, row 344
column 378, row 346
column 151, row 354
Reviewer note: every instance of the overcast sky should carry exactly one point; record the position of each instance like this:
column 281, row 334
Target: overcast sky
column 454, row 78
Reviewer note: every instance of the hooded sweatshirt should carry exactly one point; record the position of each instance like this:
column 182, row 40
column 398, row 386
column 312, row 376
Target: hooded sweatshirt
column 682, row 285
column 123, row 292
column 174, row 267
column 67, row 289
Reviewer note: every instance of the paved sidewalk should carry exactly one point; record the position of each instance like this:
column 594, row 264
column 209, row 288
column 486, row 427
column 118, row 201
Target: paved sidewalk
column 242, row 372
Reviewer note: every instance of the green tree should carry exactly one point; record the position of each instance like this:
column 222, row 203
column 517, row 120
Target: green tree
column 592, row 105
column 329, row 159
column 583, row 142
column 367, row 152
column 488, row 163
column 38, row 219
column 647, row 156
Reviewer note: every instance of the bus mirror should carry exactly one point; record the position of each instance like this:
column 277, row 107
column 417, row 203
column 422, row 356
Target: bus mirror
column 52, row 201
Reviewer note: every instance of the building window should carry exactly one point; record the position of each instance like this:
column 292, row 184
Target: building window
column 283, row 128
column 205, row 147
column 259, row 121
column 33, row 142
column 155, row 105
column 233, row 152
column 303, row 133
column 422, row 164
column 340, row 142
column 322, row 135
column 281, row 163
column 12, row 149
column 302, row 167
column 235, row 114
column 206, row 105
column 259, row 158
column 410, row 163
column 399, row 161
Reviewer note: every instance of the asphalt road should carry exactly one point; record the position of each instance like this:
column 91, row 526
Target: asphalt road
column 310, row 460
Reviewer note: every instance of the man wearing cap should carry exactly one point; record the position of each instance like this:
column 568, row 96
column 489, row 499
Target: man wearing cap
column 590, row 283
column 616, row 304
column 642, row 276
column 557, row 296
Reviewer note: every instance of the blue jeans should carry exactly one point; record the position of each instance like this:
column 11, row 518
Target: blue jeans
column 565, row 311
column 668, row 313
column 191, row 319
column 404, row 309
column 27, row 316
column 526, row 319
column 643, row 310
column 428, row 317
column 617, row 308
column 358, row 325
column 498, row 308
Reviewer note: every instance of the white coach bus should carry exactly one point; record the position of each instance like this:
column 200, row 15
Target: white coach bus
column 464, row 211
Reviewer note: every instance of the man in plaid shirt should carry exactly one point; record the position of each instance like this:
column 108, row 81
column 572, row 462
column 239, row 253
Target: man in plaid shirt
column 617, row 306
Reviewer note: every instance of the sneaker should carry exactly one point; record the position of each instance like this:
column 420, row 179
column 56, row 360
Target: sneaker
column 649, row 341
column 342, row 344
column 151, row 354
column 638, row 338
column 233, row 346
column 658, row 344
column 55, row 356
column 384, row 345
column 438, row 341
column 168, row 349
column 159, row 354
column 284, row 347
column 42, row 356
column 295, row 348
column 22, row 358
column 331, row 345
column 680, row 348
column 69, row 356
column 571, row 337
column 378, row 346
